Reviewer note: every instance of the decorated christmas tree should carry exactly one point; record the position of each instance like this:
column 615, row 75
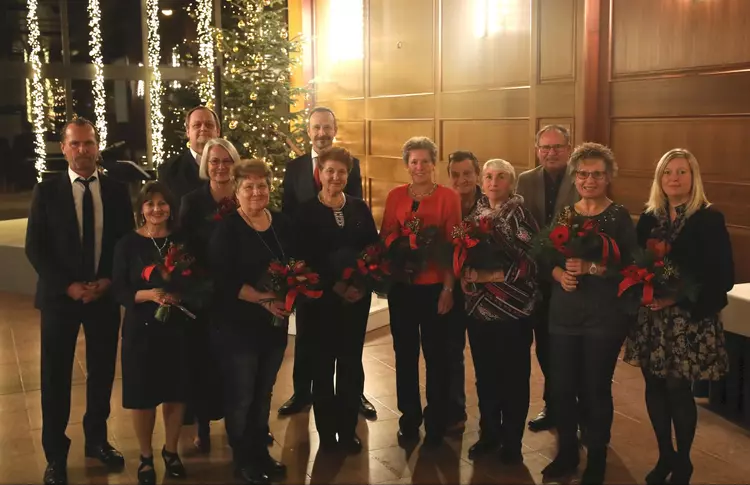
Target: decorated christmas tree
column 261, row 112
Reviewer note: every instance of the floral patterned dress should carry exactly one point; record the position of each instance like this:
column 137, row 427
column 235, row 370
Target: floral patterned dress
column 669, row 343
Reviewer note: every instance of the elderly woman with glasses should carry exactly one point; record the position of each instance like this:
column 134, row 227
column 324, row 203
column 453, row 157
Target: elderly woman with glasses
column 200, row 211
column 499, row 304
column 588, row 323
column 252, row 345
column 678, row 341
column 421, row 308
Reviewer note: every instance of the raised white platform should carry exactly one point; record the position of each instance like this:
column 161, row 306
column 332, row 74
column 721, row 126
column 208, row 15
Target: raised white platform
column 18, row 276
column 736, row 315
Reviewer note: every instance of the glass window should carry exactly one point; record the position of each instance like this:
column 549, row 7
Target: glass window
column 14, row 30
column 122, row 32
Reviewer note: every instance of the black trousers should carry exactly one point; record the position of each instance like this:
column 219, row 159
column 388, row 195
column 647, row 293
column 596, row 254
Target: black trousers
column 502, row 363
column 457, row 344
column 205, row 389
column 338, row 335
column 585, row 362
column 249, row 374
column 414, row 317
column 541, row 339
column 60, row 326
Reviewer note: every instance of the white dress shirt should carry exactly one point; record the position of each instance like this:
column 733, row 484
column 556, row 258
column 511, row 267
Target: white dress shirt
column 196, row 156
column 96, row 195
column 314, row 156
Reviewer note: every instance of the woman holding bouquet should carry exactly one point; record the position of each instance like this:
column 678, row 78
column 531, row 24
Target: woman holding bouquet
column 252, row 348
column 587, row 322
column 499, row 302
column 337, row 228
column 154, row 353
column 200, row 211
column 679, row 340
column 421, row 307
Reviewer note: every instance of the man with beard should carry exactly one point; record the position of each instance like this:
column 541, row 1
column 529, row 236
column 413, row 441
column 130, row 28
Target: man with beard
column 180, row 173
column 302, row 183
column 74, row 222
column 546, row 190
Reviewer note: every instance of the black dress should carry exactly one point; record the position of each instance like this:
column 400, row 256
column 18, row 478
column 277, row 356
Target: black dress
column 154, row 353
column 199, row 214
column 336, row 327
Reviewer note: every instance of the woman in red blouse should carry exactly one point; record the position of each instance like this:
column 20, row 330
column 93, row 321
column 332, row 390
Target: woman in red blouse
column 422, row 308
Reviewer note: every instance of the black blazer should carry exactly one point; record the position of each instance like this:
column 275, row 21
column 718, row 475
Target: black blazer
column 196, row 222
column 53, row 243
column 299, row 184
column 180, row 173
column 703, row 250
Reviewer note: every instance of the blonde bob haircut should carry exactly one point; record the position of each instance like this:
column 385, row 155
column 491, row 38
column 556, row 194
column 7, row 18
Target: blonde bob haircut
column 214, row 142
column 658, row 202
column 501, row 166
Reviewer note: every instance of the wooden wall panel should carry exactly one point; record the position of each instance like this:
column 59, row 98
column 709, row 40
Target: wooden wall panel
column 557, row 57
column 388, row 137
column 395, row 107
column 485, row 44
column 670, row 35
column 401, row 47
column 506, row 139
column 490, row 104
column 351, row 135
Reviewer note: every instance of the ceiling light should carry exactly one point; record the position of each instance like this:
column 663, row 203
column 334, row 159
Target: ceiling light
column 167, row 12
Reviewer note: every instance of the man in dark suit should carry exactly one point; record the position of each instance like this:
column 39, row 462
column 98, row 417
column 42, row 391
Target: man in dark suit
column 302, row 183
column 75, row 220
column 180, row 173
column 546, row 190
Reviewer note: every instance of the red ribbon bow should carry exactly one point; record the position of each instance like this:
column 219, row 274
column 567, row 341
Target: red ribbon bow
column 635, row 275
column 462, row 242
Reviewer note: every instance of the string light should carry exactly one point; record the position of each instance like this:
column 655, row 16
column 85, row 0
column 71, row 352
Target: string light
column 95, row 44
column 206, row 60
column 155, row 90
column 37, row 89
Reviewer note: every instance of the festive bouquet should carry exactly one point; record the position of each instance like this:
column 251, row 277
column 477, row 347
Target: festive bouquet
column 574, row 237
column 224, row 207
column 653, row 275
column 366, row 269
column 475, row 247
column 175, row 275
column 288, row 280
column 410, row 248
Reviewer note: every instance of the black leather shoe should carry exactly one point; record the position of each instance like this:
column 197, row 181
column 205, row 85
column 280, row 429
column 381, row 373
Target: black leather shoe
column 482, row 447
column 366, row 408
column 564, row 465
column 542, row 422
column 106, row 454
column 56, row 473
column 269, row 439
column 252, row 475
column 351, row 445
column 408, row 435
column 146, row 471
column 662, row 470
column 294, row 405
column 173, row 464
column 511, row 456
column 272, row 468
column 596, row 465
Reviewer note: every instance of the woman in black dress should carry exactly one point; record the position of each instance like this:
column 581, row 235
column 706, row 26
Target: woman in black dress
column 252, row 346
column 334, row 224
column 154, row 353
column 677, row 342
column 200, row 210
column 588, row 323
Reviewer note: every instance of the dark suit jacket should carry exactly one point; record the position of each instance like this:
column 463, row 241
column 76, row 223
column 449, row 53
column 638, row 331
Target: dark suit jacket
column 53, row 242
column 531, row 188
column 196, row 222
column 180, row 173
column 299, row 184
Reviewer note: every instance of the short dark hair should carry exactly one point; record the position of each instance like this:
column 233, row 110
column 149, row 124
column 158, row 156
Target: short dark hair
column 196, row 108
column 322, row 109
column 78, row 121
column 149, row 190
column 460, row 156
column 336, row 154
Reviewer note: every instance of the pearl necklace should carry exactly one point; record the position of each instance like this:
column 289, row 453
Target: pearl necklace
column 338, row 212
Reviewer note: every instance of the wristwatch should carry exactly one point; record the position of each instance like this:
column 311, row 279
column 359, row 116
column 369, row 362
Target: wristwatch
column 593, row 269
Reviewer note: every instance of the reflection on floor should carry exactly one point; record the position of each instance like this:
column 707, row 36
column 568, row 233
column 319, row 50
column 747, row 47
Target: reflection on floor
column 720, row 454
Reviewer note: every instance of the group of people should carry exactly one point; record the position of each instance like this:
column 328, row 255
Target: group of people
column 221, row 360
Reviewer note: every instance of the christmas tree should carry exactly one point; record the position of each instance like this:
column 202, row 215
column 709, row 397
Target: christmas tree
column 258, row 99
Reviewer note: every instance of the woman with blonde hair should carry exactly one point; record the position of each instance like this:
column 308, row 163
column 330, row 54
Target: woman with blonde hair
column 678, row 341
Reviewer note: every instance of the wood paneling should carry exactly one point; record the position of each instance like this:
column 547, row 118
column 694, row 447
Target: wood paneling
column 401, row 47
column 378, row 190
column 485, row 44
column 670, row 35
column 394, row 107
column 506, row 139
column 557, row 57
column 388, row 137
column 351, row 135
column 555, row 100
column 346, row 109
column 492, row 104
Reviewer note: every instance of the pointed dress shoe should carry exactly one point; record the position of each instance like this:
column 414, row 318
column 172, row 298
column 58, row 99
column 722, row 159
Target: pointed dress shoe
column 56, row 473
column 483, row 447
column 366, row 408
column 295, row 404
column 106, row 454
column 542, row 422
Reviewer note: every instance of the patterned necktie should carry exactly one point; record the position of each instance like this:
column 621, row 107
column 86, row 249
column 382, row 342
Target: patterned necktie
column 88, row 241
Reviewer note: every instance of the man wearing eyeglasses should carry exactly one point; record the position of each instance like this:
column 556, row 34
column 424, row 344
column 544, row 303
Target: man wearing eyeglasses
column 546, row 190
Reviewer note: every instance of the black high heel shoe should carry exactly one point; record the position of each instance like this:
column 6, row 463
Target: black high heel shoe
column 681, row 473
column 146, row 472
column 661, row 471
column 173, row 464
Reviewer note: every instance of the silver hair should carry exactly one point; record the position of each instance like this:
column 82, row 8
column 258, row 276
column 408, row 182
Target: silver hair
column 221, row 142
column 502, row 166
column 419, row 143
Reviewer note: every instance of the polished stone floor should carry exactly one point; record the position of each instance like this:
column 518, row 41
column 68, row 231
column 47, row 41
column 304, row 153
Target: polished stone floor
column 721, row 453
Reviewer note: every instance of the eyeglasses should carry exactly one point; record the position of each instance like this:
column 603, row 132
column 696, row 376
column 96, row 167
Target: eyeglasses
column 596, row 175
column 258, row 189
column 549, row 148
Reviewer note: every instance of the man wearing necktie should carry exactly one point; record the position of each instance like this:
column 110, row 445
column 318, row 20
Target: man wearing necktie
column 302, row 183
column 180, row 173
column 74, row 222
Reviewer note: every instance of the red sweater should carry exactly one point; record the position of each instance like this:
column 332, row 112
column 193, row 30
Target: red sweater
column 442, row 208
